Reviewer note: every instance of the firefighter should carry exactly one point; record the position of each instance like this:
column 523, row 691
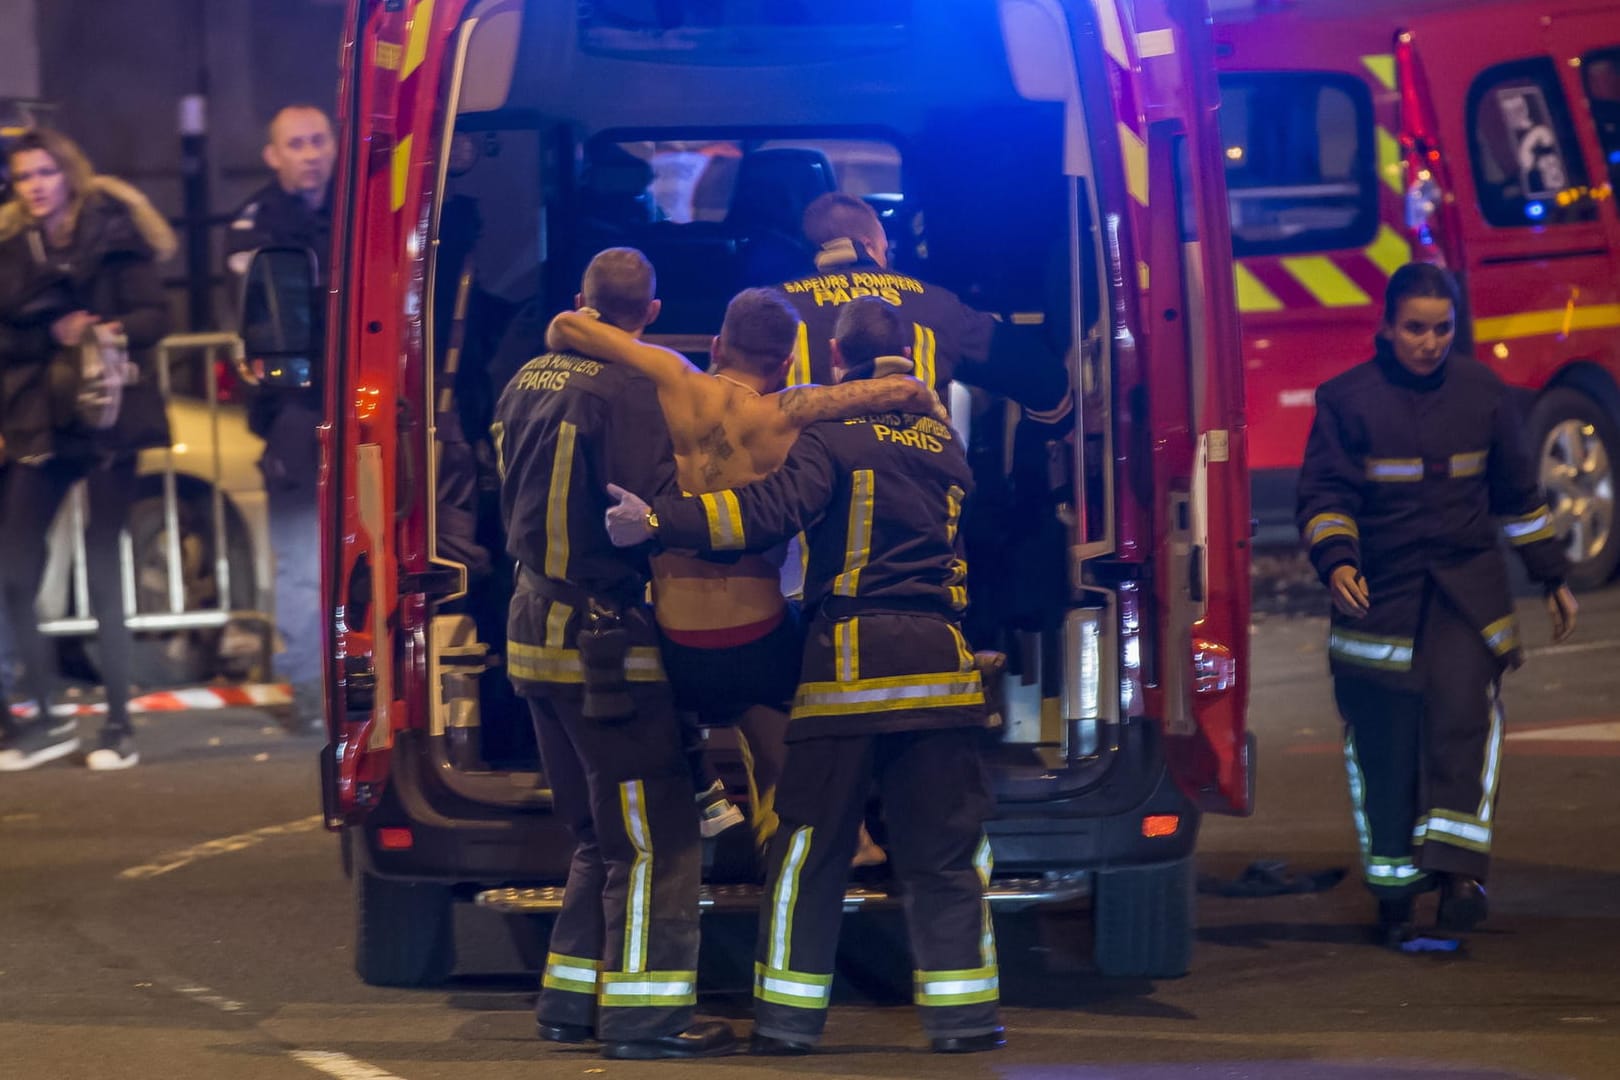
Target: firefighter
column 948, row 339
column 583, row 651
column 888, row 692
column 1412, row 456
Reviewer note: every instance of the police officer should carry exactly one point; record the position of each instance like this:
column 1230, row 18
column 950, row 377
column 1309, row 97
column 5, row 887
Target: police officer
column 1411, row 457
column 583, row 650
column 948, row 339
column 292, row 210
column 888, row 692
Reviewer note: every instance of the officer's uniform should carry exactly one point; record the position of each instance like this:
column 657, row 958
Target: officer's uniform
column 286, row 418
column 888, row 688
column 949, row 339
column 1404, row 478
column 623, row 952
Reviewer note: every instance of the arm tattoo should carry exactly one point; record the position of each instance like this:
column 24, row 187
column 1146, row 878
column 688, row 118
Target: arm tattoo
column 804, row 405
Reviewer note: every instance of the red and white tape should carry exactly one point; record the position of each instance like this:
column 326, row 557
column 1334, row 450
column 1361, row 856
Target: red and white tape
column 246, row 696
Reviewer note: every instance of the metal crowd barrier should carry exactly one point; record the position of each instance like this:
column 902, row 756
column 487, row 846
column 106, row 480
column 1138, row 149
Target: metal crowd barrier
column 77, row 617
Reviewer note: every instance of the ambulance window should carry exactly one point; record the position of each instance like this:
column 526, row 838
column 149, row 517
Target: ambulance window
column 1299, row 162
column 1600, row 74
column 1527, row 162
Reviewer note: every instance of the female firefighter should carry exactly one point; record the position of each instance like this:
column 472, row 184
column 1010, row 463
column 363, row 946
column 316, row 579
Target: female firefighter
column 1415, row 460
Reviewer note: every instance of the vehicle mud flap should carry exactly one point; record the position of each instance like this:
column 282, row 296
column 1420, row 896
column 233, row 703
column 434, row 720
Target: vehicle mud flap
column 403, row 931
column 1143, row 920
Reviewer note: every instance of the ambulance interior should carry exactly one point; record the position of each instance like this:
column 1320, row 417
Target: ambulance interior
column 705, row 160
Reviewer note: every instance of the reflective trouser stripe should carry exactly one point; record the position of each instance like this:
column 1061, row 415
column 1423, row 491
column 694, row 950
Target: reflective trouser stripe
column 574, row 974
column 984, row 865
column 638, row 901
column 1386, row 871
column 795, row 989
column 625, row 989
column 973, row 986
column 1459, row 830
column 1378, row 870
column 1531, row 527
column 1491, row 771
column 786, row 897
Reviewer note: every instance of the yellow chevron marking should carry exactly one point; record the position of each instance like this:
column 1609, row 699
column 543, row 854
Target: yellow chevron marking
column 1325, row 281
column 1113, row 32
column 1390, row 166
column 1390, row 251
column 1382, row 67
column 1252, row 296
column 402, row 172
column 1553, row 321
column 1134, row 152
column 416, row 45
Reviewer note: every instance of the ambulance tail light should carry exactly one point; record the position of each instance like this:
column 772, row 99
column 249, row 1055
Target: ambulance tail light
column 1428, row 190
column 1214, row 668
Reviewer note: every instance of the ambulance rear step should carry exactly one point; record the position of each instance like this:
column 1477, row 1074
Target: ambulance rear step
column 1003, row 892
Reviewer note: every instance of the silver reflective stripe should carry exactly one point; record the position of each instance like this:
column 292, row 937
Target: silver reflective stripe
column 786, row 886
column 648, row 988
column 567, row 971
column 794, row 989
column 1399, row 872
column 1526, row 527
column 1479, row 834
column 892, row 693
column 1388, row 652
column 947, row 987
column 1394, row 469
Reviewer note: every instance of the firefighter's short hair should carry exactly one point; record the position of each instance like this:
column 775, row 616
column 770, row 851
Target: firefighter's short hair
column 834, row 216
column 620, row 284
column 760, row 330
column 868, row 327
column 1419, row 281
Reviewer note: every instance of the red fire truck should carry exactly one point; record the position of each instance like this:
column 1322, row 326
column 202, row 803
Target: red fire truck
column 1483, row 136
column 1057, row 161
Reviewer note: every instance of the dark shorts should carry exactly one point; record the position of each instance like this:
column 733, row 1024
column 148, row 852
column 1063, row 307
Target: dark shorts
column 720, row 684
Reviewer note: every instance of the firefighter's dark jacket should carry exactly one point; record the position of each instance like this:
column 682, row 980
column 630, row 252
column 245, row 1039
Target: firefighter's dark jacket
column 566, row 427
column 879, row 499
column 951, row 340
column 1415, row 480
column 275, row 217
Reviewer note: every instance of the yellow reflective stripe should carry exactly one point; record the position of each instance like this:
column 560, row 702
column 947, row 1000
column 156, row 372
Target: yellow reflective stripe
column 1552, row 321
column 400, row 174
column 1469, row 464
column 984, row 864
column 1358, row 797
column 562, row 472
column 1327, row 526
column 847, row 644
column 1395, row 470
column 638, row 902
column 497, row 434
column 799, row 370
column 724, row 515
column 1252, row 295
column 543, row 663
column 574, row 974
column 1458, row 830
column 889, row 694
column 1133, row 151
column 795, row 989
column 1391, row 166
column 859, row 544
column 964, row 655
column 1327, row 284
column 1382, row 66
column 1381, row 870
column 959, row 597
column 971, row 986
column 786, row 897
column 924, row 348
column 632, row 989
column 1390, row 251
column 1370, row 650
column 557, row 624
column 953, row 511
column 1502, row 636
column 1529, row 528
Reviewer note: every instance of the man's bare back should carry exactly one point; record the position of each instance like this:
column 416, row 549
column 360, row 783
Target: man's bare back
column 728, row 429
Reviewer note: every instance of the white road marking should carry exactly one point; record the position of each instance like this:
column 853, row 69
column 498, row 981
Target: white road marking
column 1577, row 647
column 341, row 1066
column 1608, row 731
column 224, row 846
column 208, row 997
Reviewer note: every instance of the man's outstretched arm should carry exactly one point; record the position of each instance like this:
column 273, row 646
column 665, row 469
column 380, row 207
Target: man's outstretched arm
column 802, row 406
column 578, row 332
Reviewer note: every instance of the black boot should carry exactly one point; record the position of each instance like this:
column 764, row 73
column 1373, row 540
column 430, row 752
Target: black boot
column 564, row 1033
column 1463, row 904
column 970, row 1044
column 706, row 1038
column 1395, row 921
column 771, row 1046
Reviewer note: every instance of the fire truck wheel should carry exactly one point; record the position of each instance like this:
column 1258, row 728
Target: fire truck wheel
column 1142, row 921
column 1577, row 443
column 403, row 932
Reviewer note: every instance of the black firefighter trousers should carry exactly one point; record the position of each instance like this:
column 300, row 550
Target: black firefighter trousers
column 623, row 952
column 1424, row 764
column 935, row 799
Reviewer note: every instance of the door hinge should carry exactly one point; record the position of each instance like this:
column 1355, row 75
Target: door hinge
column 435, row 583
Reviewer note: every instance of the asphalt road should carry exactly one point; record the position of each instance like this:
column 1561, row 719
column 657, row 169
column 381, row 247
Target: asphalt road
column 189, row 919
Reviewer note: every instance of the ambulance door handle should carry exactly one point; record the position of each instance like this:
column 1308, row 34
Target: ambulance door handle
column 1195, row 574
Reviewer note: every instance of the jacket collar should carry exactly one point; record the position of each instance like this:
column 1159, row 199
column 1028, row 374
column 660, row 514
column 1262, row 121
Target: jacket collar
column 837, row 254
column 1399, row 374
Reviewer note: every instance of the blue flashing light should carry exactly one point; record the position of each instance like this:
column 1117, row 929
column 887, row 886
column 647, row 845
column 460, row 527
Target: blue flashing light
column 1614, row 157
column 1535, row 211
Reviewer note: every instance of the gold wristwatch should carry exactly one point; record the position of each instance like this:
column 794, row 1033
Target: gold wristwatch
column 652, row 520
